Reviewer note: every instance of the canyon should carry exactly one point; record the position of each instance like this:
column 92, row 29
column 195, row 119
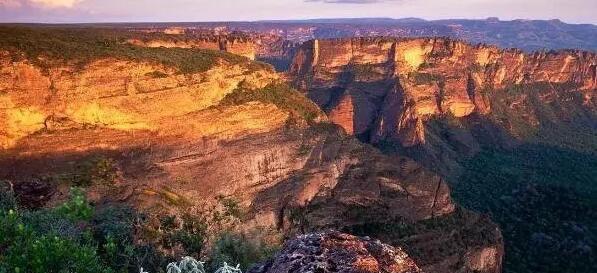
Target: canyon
column 459, row 110
column 362, row 139
column 386, row 90
column 180, row 140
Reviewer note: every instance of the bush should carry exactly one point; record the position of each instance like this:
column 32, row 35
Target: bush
column 27, row 251
column 282, row 95
column 237, row 248
column 77, row 208
column 7, row 198
column 95, row 171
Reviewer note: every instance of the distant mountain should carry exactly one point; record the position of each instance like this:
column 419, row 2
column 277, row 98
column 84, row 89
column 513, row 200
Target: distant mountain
column 528, row 35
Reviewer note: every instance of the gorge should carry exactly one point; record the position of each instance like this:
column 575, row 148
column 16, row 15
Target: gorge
column 422, row 154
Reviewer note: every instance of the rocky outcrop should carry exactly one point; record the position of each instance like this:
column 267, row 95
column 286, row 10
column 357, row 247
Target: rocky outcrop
column 391, row 86
column 337, row 252
column 239, row 46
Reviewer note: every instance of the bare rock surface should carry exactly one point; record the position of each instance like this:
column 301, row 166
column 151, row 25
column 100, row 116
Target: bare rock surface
column 332, row 251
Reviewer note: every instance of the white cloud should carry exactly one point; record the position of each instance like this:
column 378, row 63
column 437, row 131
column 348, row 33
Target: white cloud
column 13, row 4
column 56, row 3
column 10, row 3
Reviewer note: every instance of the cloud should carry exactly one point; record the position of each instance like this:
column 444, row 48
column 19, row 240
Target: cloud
column 350, row 1
column 56, row 3
column 12, row 4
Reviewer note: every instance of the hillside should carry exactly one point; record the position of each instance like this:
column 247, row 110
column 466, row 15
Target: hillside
column 177, row 151
column 509, row 130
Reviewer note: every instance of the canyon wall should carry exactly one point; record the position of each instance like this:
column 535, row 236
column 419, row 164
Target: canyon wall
column 239, row 46
column 178, row 149
column 385, row 89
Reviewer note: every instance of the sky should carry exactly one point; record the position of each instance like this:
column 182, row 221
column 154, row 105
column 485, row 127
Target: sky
column 76, row 11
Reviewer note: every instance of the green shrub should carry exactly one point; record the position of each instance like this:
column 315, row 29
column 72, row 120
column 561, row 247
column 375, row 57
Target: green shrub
column 231, row 206
column 7, row 198
column 116, row 221
column 279, row 94
column 77, row 207
column 189, row 232
column 237, row 248
column 95, row 171
column 24, row 250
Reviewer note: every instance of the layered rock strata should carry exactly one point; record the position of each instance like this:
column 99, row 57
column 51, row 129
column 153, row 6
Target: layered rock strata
column 384, row 89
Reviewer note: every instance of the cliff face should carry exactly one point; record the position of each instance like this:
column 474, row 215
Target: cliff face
column 238, row 46
column 384, row 89
column 178, row 148
column 113, row 106
column 121, row 95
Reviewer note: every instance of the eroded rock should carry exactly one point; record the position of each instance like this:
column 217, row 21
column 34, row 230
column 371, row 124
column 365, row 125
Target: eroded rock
column 332, row 251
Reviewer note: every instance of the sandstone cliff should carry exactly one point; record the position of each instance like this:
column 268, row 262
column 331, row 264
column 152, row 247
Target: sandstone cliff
column 235, row 45
column 182, row 136
column 385, row 89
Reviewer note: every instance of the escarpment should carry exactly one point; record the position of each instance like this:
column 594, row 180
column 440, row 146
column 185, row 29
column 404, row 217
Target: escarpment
column 235, row 45
column 386, row 89
column 184, row 133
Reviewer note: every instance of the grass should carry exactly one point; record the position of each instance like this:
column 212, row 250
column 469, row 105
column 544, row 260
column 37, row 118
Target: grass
column 279, row 94
column 50, row 46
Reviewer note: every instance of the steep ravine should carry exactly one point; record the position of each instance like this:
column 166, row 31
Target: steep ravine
column 508, row 130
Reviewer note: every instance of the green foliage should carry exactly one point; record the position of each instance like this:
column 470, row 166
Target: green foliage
column 116, row 221
column 192, row 235
column 188, row 231
column 543, row 198
column 237, row 248
column 425, row 78
column 25, row 250
column 456, row 230
column 77, row 207
column 46, row 46
column 95, row 171
column 279, row 94
column 231, row 207
column 7, row 198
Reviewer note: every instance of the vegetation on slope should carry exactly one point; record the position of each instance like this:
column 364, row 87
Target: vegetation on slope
column 543, row 198
column 436, row 239
column 540, row 186
column 46, row 46
column 79, row 237
column 279, row 94
column 548, row 113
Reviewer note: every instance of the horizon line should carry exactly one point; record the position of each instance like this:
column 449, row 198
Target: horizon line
column 304, row 20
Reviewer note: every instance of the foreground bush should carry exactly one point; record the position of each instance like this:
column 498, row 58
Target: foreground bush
column 77, row 237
